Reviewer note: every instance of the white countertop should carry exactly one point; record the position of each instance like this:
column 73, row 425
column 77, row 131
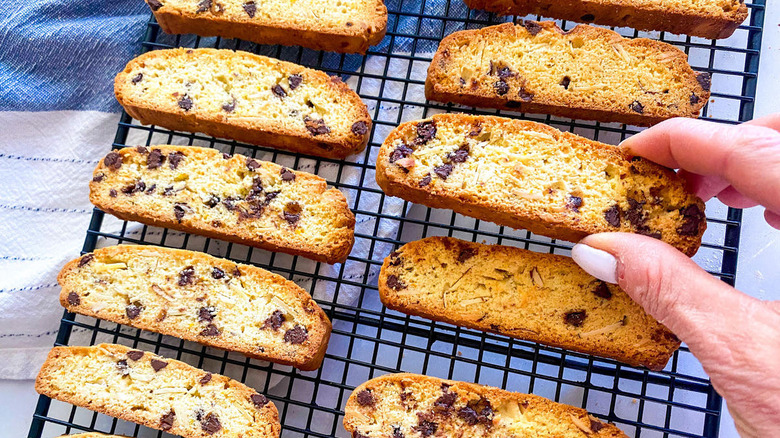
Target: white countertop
column 757, row 272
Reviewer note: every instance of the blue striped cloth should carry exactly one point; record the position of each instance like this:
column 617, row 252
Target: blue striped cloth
column 57, row 117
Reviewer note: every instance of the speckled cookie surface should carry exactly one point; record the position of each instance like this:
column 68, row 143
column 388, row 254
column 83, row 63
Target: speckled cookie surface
column 246, row 97
column 585, row 73
column 235, row 198
column 345, row 26
column 156, row 392
column 415, row 406
column 540, row 297
column 201, row 298
column 531, row 176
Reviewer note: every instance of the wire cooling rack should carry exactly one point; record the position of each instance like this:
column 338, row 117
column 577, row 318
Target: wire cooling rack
column 369, row 340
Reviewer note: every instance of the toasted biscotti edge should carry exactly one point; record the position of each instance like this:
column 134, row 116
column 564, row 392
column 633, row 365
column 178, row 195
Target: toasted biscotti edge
column 392, row 181
column 439, row 92
column 50, row 365
column 655, row 359
column 319, row 335
column 563, row 411
column 336, row 252
column 624, row 15
column 218, row 126
column 352, row 39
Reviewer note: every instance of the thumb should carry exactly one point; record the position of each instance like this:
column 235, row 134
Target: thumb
column 665, row 282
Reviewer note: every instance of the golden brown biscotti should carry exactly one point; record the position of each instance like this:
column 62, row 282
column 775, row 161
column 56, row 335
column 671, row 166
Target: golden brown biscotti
column 531, row 176
column 92, row 435
column 156, row 392
column 200, row 298
column 347, row 27
column 412, row 405
column 235, row 198
column 703, row 18
column 540, row 297
column 245, row 97
column 585, row 73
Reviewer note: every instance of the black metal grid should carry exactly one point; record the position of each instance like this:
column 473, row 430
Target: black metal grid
column 369, row 340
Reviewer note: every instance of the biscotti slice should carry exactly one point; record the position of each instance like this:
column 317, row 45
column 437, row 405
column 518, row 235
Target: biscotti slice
column 708, row 19
column 200, row 298
column 412, row 405
column 235, row 198
column 544, row 298
column 156, row 392
column 246, row 97
column 531, row 176
column 347, row 27
column 585, row 73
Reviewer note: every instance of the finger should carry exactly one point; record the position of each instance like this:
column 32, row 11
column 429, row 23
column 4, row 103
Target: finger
column 770, row 121
column 705, row 187
column 746, row 156
column 731, row 197
column 773, row 219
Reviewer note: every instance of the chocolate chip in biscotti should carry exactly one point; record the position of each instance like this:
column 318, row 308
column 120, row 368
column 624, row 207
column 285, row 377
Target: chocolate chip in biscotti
column 112, row 193
column 637, row 107
column 635, row 213
column 210, row 330
column 612, row 215
column 394, row 283
column 525, row 95
column 122, row 367
column 185, row 103
column 252, row 164
column 138, row 186
column 250, row 8
column 155, row 159
column 174, row 159
column 705, row 80
column 287, row 174
column 575, row 317
column 292, row 212
column 259, row 400
column 217, row 273
column 445, row 402
column 205, row 379
column 602, row 291
column 179, row 210
column 501, row 87
column 154, row 4
column 166, row 422
column 366, row 398
column 135, row 355
column 99, row 177
column 426, row 427
column 574, row 203
column 296, row 335
column 203, row 6
column 137, row 78
column 295, row 81
column 400, row 151
column 692, row 218
column 74, row 299
column 275, row 321
column 316, row 126
column 359, row 128
column 133, row 311
column 186, row 276
column 397, row 432
column 531, row 26
column 213, row 201
column 694, row 99
column 210, row 423
column 206, row 314
column 565, row 82
column 279, row 91
column 158, row 364
column 83, row 261
column 425, row 181
column 460, row 155
column 229, row 107
column 425, row 132
column 113, row 160
column 443, row 171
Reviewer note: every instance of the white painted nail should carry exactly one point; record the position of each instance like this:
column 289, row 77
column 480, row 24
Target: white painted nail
column 596, row 262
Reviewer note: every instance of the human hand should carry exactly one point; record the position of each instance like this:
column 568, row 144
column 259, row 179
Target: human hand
column 734, row 336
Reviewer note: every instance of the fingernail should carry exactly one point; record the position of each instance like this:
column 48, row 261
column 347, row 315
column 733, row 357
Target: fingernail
column 595, row 262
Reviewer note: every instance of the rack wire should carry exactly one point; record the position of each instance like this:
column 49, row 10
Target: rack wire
column 369, row 340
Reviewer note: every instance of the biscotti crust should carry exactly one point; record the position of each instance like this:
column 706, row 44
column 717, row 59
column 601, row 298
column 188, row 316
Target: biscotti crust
column 531, row 176
column 200, row 298
column 543, row 298
column 156, row 392
column 405, row 404
column 197, row 105
column 611, row 91
column 321, row 227
column 348, row 37
column 714, row 23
